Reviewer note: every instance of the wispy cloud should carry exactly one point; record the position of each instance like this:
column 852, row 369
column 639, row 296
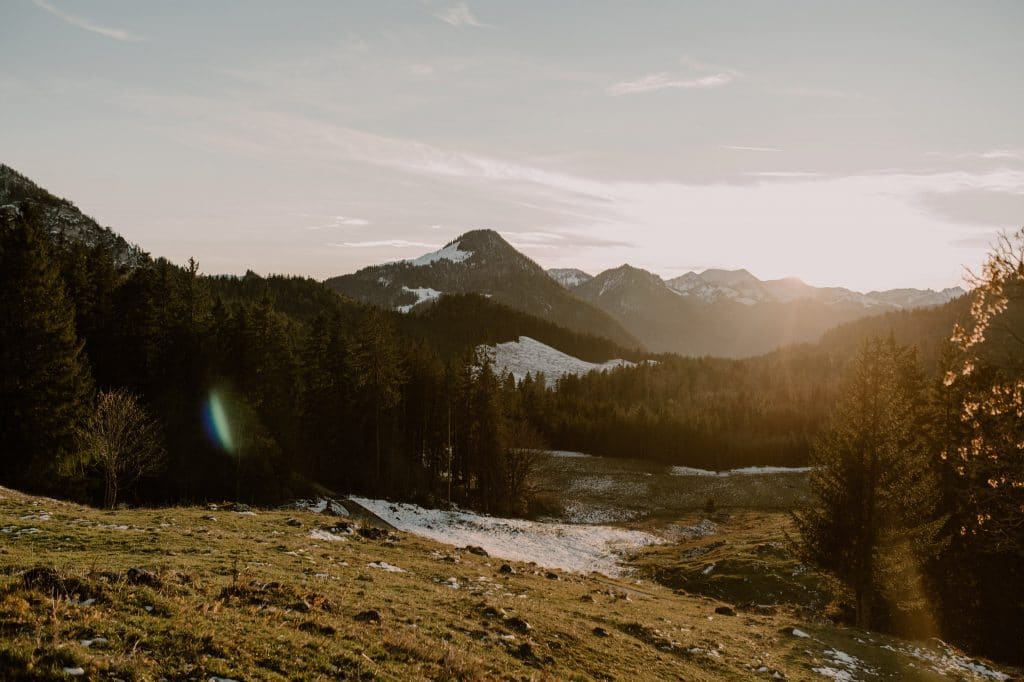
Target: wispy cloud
column 742, row 148
column 88, row 25
column 387, row 243
column 664, row 80
column 340, row 221
column 988, row 155
column 459, row 15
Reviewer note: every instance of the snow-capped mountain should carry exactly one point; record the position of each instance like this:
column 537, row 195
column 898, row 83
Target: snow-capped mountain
column 731, row 313
column 742, row 287
column 569, row 277
column 478, row 262
column 60, row 218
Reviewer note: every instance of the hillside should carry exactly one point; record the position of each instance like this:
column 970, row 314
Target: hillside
column 62, row 219
column 192, row 593
column 479, row 262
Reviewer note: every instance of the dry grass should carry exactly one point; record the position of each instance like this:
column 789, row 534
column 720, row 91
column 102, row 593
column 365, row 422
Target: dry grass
column 254, row 597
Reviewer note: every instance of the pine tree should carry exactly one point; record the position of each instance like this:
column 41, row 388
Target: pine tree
column 45, row 382
column 874, row 496
column 375, row 367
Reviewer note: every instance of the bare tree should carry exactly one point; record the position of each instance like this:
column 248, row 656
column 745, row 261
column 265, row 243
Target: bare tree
column 122, row 443
column 525, row 456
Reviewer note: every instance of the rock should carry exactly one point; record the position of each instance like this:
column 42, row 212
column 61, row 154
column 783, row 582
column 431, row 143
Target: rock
column 371, row 533
column 600, row 632
column 294, row 523
column 492, row 612
column 239, row 507
column 505, row 568
column 525, row 652
column 725, row 611
column 551, row 576
column 368, row 616
column 209, row 517
column 473, row 549
column 140, row 576
column 589, row 598
column 518, row 624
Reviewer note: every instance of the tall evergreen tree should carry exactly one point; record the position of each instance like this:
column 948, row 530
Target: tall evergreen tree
column 874, row 498
column 375, row 367
column 45, row 383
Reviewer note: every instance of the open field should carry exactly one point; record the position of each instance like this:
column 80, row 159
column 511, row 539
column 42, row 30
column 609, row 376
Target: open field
column 194, row 594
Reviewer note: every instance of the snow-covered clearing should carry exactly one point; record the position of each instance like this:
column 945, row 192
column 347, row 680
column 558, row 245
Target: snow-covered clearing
column 570, row 547
column 744, row 471
column 422, row 294
column 529, row 356
column 450, row 252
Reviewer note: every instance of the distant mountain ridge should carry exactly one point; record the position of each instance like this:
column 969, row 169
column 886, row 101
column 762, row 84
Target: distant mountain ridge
column 61, row 218
column 742, row 287
column 732, row 313
column 479, row 262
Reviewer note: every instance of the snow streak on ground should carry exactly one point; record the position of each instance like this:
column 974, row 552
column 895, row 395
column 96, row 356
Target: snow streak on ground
column 322, row 505
column 450, row 252
column 422, row 294
column 531, row 356
column 554, row 545
column 745, row 471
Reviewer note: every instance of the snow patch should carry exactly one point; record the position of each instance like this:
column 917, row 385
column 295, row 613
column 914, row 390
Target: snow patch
column 451, row 252
column 577, row 548
column 744, row 471
column 529, row 356
column 321, row 534
column 322, row 505
column 569, row 454
column 385, row 566
column 422, row 294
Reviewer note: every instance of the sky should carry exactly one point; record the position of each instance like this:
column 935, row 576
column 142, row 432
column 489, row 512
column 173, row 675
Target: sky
column 863, row 144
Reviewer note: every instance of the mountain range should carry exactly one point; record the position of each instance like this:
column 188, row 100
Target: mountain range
column 726, row 313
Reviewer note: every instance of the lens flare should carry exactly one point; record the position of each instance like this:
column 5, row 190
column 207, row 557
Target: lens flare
column 215, row 421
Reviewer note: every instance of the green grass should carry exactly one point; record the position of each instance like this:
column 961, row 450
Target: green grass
column 254, row 597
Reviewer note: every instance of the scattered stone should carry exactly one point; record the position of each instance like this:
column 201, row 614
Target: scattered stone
column 96, row 641
column 600, row 632
column 316, row 628
column 795, row 632
column 473, row 549
column 759, row 609
column 725, row 611
column 294, row 523
column 551, row 575
column 371, row 533
column 74, row 672
column 368, row 616
column 505, row 568
column 518, row 624
column 140, row 576
column 492, row 612
column 588, row 598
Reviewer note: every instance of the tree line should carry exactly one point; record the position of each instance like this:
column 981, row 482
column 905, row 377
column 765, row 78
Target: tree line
column 258, row 389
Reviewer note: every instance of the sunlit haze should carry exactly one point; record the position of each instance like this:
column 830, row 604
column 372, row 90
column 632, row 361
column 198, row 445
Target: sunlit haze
column 867, row 145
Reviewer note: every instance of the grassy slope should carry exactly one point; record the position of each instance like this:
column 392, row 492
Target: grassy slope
column 289, row 613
